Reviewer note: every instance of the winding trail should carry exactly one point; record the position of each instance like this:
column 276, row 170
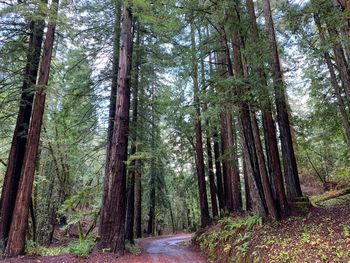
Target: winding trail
column 169, row 249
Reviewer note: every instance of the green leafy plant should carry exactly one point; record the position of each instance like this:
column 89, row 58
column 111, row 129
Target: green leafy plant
column 82, row 248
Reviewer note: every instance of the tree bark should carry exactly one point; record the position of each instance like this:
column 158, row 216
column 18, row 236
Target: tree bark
column 114, row 204
column 268, row 123
column 19, row 140
column 218, row 174
column 129, row 234
column 19, row 225
column 271, row 206
column 113, row 97
column 289, row 161
column 213, row 191
column 205, row 217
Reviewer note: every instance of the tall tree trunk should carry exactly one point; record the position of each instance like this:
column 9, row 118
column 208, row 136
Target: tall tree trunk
column 249, row 147
column 112, row 98
column 19, row 224
column 268, row 122
column 289, row 161
column 205, row 217
column 153, row 170
column 19, row 140
column 114, row 203
column 232, row 191
column 129, row 234
column 213, row 191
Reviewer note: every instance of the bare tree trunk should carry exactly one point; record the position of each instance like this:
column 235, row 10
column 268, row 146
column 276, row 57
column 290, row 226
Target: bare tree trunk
column 131, row 184
column 138, row 201
column 19, row 140
column 289, row 162
column 219, row 185
column 247, row 136
column 113, row 211
column 268, row 122
column 113, row 96
column 271, row 207
column 19, row 225
column 205, row 217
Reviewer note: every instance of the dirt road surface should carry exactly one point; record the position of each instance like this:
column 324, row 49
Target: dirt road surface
column 164, row 249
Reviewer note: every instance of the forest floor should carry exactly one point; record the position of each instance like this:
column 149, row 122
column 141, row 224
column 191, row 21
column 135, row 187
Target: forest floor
column 319, row 234
column 163, row 249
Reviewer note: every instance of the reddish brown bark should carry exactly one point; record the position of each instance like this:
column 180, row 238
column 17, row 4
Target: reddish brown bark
column 289, row 162
column 19, row 225
column 114, row 88
column 205, row 217
column 113, row 211
column 247, row 136
column 129, row 228
column 271, row 207
column 19, row 140
column 232, row 192
column 268, row 122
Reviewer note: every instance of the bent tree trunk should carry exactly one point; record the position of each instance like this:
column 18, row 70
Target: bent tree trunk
column 114, row 200
column 19, row 225
column 19, row 140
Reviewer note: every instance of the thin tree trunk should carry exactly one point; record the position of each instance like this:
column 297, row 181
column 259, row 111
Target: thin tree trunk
column 219, row 185
column 289, row 162
column 333, row 78
column 19, row 140
column 205, row 217
column 19, row 225
column 248, row 205
column 138, row 201
column 131, row 185
column 114, row 204
column 213, row 191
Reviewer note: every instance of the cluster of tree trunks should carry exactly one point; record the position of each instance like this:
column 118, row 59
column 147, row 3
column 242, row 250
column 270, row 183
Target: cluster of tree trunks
column 267, row 187
column 18, row 183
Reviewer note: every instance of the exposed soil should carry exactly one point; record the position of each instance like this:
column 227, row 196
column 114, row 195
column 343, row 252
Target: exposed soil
column 165, row 249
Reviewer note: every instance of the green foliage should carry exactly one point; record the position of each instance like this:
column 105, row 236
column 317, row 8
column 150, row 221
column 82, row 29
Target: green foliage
column 231, row 240
column 82, row 248
column 133, row 249
column 35, row 250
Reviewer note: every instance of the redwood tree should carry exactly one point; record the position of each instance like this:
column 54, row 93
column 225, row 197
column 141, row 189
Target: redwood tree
column 291, row 177
column 112, row 225
column 19, row 140
column 17, row 236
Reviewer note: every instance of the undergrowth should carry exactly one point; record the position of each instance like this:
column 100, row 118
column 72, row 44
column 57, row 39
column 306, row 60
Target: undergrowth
column 230, row 240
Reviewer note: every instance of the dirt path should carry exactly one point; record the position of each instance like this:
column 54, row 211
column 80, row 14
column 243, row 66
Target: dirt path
column 169, row 249
column 165, row 249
